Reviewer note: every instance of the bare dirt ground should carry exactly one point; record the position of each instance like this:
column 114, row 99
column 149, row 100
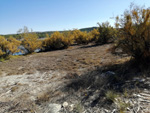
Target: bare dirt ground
column 30, row 83
column 74, row 59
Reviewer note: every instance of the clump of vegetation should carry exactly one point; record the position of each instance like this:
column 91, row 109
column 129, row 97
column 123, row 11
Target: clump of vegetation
column 46, row 43
column 2, row 59
column 31, row 42
column 13, row 45
column 80, row 37
column 111, row 95
column 56, row 41
column 107, row 33
column 79, row 108
column 122, row 106
column 63, row 40
column 3, row 45
column 68, row 37
column 134, row 33
column 116, row 99
column 9, row 46
column 93, row 35
column 14, row 88
column 43, row 97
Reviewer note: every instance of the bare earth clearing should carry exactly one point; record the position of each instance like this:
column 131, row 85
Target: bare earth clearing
column 32, row 83
column 74, row 59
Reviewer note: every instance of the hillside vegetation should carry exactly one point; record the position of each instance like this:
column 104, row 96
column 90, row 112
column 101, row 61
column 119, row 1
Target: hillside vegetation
column 43, row 34
column 93, row 70
column 57, row 40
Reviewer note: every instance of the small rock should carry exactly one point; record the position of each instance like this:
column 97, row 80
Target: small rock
column 106, row 111
column 107, row 74
column 128, row 109
column 71, row 107
column 113, row 111
column 110, row 73
column 142, row 80
column 65, row 104
column 54, row 108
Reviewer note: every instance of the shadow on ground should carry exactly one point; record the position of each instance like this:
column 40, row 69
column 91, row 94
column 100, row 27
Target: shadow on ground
column 119, row 77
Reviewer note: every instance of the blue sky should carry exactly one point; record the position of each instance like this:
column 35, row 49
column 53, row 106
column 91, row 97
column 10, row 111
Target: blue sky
column 51, row 15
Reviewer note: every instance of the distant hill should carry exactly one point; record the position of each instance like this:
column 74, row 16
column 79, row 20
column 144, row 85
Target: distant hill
column 43, row 34
column 88, row 29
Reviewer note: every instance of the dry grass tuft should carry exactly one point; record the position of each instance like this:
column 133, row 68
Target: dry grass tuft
column 13, row 89
column 43, row 97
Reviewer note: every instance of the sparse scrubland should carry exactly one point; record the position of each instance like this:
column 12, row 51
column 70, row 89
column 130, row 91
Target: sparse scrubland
column 105, row 70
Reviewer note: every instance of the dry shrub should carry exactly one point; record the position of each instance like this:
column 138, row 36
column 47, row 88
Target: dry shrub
column 69, row 37
column 3, row 45
column 31, row 42
column 93, row 35
column 9, row 46
column 46, row 43
column 111, row 95
column 80, row 37
column 43, row 97
column 29, row 39
column 13, row 45
column 56, row 41
column 64, row 40
column 107, row 33
column 134, row 33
